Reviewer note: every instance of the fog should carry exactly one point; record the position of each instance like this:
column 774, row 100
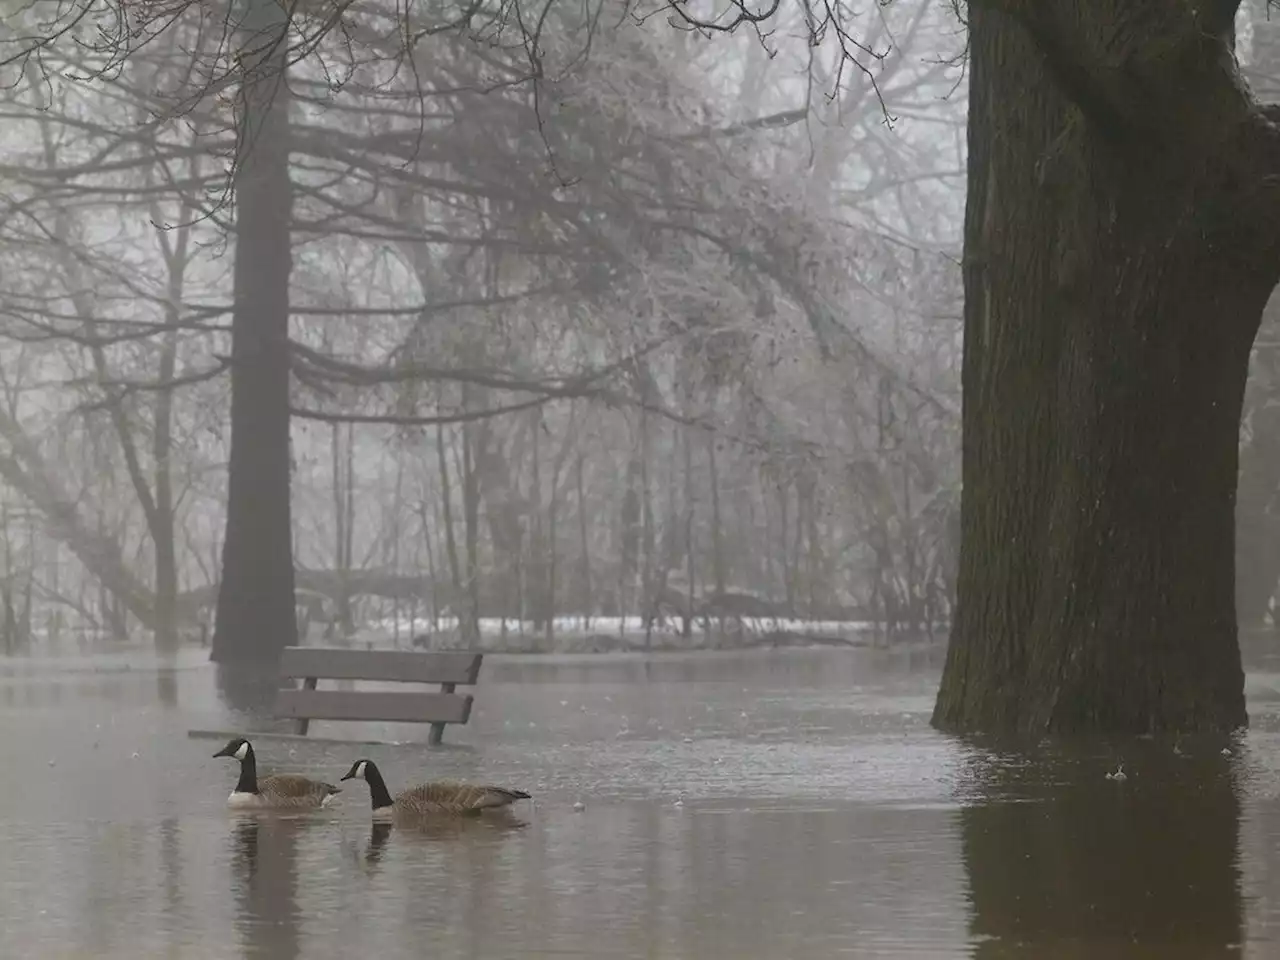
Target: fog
column 678, row 321
column 616, row 345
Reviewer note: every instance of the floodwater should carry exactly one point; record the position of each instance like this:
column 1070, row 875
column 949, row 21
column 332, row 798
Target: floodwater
column 788, row 804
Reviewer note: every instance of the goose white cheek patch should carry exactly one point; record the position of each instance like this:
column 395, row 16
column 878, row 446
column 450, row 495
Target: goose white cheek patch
column 242, row 752
column 360, row 770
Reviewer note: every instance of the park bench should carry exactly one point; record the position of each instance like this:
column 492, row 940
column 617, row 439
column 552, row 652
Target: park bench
column 313, row 664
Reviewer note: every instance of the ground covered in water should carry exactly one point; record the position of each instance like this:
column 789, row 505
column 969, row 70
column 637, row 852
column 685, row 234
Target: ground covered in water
column 784, row 804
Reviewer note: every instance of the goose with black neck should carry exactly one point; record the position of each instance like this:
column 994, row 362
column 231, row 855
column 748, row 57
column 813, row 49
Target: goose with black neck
column 281, row 791
column 442, row 798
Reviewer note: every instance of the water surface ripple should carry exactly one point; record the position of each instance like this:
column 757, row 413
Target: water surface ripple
column 786, row 804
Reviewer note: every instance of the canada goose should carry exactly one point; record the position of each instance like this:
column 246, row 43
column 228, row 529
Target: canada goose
column 430, row 798
column 282, row 791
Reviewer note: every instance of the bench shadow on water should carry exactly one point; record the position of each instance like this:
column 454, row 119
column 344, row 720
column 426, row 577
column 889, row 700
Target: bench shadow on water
column 792, row 805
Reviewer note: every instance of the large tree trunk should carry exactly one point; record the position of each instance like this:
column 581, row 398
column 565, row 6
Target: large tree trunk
column 256, row 594
column 1118, row 258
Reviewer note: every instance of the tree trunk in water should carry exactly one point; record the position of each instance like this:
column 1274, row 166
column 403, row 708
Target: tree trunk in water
column 164, row 528
column 1113, row 289
column 256, row 616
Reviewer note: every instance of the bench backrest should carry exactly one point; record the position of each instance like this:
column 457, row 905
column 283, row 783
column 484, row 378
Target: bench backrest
column 328, row 663
column 338, row 663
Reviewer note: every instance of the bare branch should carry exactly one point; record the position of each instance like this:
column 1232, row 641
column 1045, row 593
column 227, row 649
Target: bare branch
column 341, row 371
column 117, row 390
column 471, row 416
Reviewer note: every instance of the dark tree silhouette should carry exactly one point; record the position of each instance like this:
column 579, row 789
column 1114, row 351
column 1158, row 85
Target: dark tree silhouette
column 255, row 617
column 1122, row 239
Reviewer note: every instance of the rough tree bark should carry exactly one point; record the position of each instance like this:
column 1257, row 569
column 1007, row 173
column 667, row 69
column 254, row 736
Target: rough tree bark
column 256, row 618
column 1122, row 239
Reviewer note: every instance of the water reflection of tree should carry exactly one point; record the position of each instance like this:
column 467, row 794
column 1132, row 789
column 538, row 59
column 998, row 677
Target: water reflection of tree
column 264, row 885
column 171, row 873
column 167, row 685
column 1064, row 862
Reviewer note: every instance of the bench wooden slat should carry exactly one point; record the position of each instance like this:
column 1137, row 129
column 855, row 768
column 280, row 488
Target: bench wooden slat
column 374, row 705
column 337, row 663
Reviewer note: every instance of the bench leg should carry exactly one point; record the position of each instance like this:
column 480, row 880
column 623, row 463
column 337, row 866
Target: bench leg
column 301, row 725
column 437, row 729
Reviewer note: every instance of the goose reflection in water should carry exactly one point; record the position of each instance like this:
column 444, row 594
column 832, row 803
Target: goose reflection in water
column 442, row 830
column 265, row 882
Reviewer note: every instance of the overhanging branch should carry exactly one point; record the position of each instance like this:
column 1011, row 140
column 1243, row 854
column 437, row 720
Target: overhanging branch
column 352, row 374
column 406, row 420
column 117, row 390
column 1160, row 71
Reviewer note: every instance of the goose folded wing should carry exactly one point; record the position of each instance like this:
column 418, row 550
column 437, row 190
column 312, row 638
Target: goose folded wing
column 447, row 795
column 293, row 785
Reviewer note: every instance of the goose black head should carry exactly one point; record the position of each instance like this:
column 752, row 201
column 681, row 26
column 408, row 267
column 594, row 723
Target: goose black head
column 237, row 747
column 357, row 771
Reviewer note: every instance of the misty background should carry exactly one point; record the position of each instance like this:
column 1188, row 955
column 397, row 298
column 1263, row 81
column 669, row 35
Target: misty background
column 655, row 325
column 603, row 332
column 670, row 325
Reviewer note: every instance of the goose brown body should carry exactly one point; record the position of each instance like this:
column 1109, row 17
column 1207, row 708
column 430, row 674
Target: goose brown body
column 280, row 791
column 442, row 798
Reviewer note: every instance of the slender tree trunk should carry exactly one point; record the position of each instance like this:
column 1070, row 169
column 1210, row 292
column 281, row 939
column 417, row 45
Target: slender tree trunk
column 55, row 590
column 585, row 601
column 256, row 617
column 548, row 538
column 471, row 530
column 1113, row 288
column 548, row 542
column 499, row 487
column 342, row 450
column 690, row 518
column 717, row 521
column 648, row 577
column 392, row 551
column 164, row 533
column 630, row 522
column 818, row 578
column 536, row 566
column 450, row 536
column 783, row 491
column 163, row 525
column 433, row 568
